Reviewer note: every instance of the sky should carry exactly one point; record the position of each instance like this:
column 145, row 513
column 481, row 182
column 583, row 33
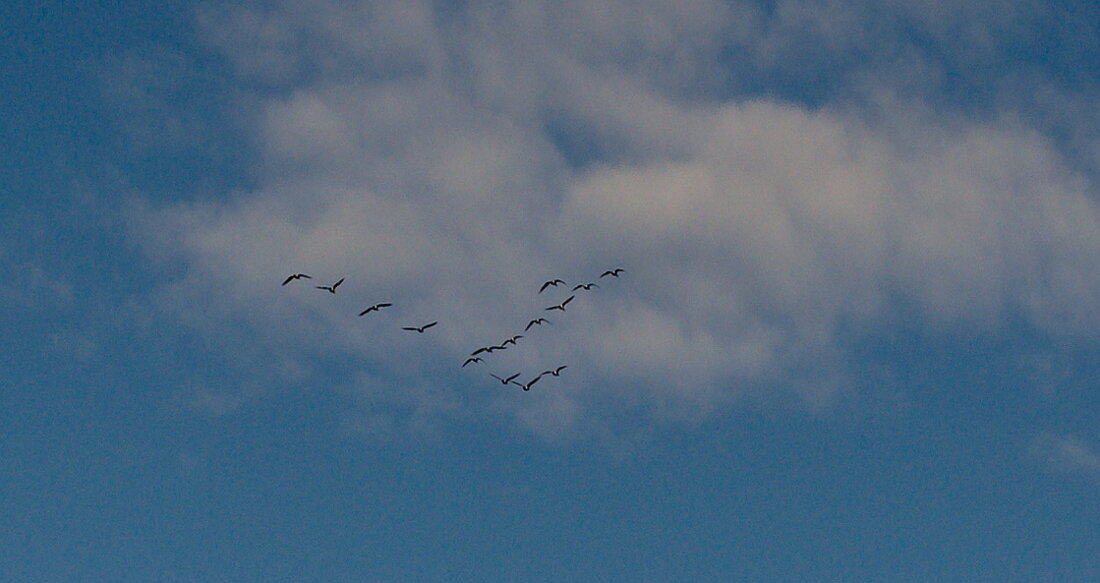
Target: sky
column 854, row 339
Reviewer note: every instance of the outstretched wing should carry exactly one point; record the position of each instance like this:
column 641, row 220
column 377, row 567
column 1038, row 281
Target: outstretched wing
column 426, row 326
column 567, row 300
column 511, row 378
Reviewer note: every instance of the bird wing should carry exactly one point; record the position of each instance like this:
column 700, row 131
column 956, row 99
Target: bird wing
column 426, row 326
column 567, row 300
column 561, row 368
column 383, row 305
column 288, row 280
column 411, row 328
column 511, row 378
column 478, row 351
column 366, row 311
column 533, row 381
column 337, row 284
column 529, row 324
column 545, row 285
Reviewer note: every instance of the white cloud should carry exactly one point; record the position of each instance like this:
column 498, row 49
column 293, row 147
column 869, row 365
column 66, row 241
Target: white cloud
column 430, row 167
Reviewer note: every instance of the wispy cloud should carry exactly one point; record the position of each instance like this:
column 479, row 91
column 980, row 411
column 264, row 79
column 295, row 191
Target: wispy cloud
column 451, row 161
column 1066, row 454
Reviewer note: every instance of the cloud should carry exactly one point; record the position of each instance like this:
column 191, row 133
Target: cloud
column 455, row 160
column 1066, row 454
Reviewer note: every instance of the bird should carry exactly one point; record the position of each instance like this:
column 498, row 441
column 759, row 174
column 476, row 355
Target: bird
column 330, row 288
column 374, row 308
column 471, row 360
column 505, row 381
column 419, row 329
column 556, row 372
column 294, row 277
column 537, row 321
column 561, row 306
column 551, row 283
column 585, row 286
column 527, row 387
column 613, row 272
column 512, row 340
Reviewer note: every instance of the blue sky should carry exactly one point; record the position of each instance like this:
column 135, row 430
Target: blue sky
column 855, row 339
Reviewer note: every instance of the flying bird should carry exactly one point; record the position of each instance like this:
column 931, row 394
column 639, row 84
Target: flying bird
column 294, row 277
column 561, row 306
column 330, row 288
column 613, row 272
column 556, row 372
column 527, row 387
column 551, row 283
column 585, row 286
column 374, row 308
column 512, row 340
column 537, row 321
column 505, row 381
column 471, row 360
column 419, row 329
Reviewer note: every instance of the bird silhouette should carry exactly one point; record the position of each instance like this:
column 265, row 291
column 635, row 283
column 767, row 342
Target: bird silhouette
column 294, row 277
column 537, row 322
column 374, row 308
column 551, row 283
column 330, row 288
column 613, row 272
column 585, row 286
column 505, row 381
column 561, row 306
column 556, row 372
column 527, row 387
column 512, row 340
column 470, row 361
column 419, row 329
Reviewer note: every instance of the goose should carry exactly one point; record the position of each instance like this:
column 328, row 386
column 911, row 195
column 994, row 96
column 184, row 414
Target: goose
column 330, row 288
column 374, row 308
column 419, row 329
column 505, row 381
column 551, row 283
column 613, row 272
column 527, row 387
column 537, row 322
column 294, row 277
column 561, row 306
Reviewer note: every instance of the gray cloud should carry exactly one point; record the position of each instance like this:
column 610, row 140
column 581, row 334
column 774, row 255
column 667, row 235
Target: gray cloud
column 1066, row 454
column 452, row 162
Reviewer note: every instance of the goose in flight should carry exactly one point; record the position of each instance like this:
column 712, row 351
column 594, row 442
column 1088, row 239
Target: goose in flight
column 556, row 372
column 471, row 360
column 527, row 387
column 561, row 306
column 330, row 288
column 487, row 349
column 613, row 272
column 374, row 308
column 551, row 283
column 419, row 329
column 538, row 322
column 294, row 277
column 512, row 340
column 504, row 381
column 585, row 286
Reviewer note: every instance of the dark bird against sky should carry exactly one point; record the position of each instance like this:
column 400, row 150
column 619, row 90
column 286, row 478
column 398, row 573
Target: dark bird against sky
column 561, row 306
column 296, row 276
column 613, row 272
column 551, row 283
column 419, row 329
column 330, row 288
column 527, row 387
column 537, row 322
column 556, row 372
column 374, row 308
column 505, row 381
column 585, row 286
column 471, row 360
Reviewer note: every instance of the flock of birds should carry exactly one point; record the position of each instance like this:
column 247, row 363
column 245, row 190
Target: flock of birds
column 475, row 357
